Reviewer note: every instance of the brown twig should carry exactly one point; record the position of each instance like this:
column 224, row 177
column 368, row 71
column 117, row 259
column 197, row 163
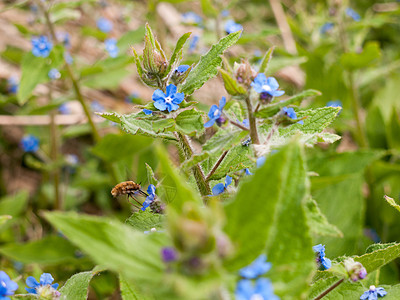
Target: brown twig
column 217, row 164
column 238, row 125
column 329, row 289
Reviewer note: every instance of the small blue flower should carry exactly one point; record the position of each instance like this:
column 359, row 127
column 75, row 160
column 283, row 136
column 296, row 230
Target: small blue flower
column 147, row 111
column 261, row 161
column 41, row 46
column 45, row 280
column 111, row 47
column 182, row 69
column 289, row 111
column 246, row 122
column 104, row 25
column 30, row 143
column 257, row 268
column 353, row 14
column 264, row 85
column 63, row 37
column 169, row 254
column 219, row 188
column 262, row 290
column 12, row 85
column 321, row 259
column 54, row 74
column 373, row 293
column 193, row 43
column 151, row 190
column 64, row 109
column 247, row 171
column 167, row 101
column 231, row 26
column 132, row 96
column 68, row 58
column 7, row 286
column 215, row 112
column 191, row 18
column 225, row 13
column 96, row 106
column 326, row 27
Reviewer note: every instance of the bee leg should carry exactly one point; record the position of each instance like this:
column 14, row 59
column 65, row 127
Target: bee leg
column 142, row 193
column 133, row 197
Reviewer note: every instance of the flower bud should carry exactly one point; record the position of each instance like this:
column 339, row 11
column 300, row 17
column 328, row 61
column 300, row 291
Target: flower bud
column 355, row 270
column 244, row 73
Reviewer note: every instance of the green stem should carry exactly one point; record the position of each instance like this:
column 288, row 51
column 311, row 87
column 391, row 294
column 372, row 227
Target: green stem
column 198, row 174
column 252, row 122
column 323, row 294
column 221, row 158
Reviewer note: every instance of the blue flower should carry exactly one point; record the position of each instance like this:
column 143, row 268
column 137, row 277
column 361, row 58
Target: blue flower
column 104, row 25
column 151, row 190
column 191, row 18
column 262, row 290
column 247, row 171
column 182, row 69
column 289, row 111
column 64, row 38
column 353, row 14
column 46, row 280
column 30, row 143
column 12, row 85
column 225, row 13
column 373, row 293
column 169, row 254
column 321, row 259
column 257, row 268
column 268, row 86
column 64, row 109
column 96, row 106
column 193, row 43
column 219, row 188
column 147, row 111
column 215, row 112
column 7, row 286
column 260, row 161
column 231, row 26
column 246, row 123
column 326, row 27
column 68, row 58
column 41, row 46
column 111, row 47
column 168, row 101
column 54, row 74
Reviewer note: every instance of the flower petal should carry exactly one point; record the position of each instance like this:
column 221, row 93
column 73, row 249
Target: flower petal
column 228, row 180
column 209, row 123
column 158, row 95
column 32, row 282
column 171, row 89
column 277, row 93
column 55, row 286
column 178, row 98
column 218, row 189
column 172, row 106
column 147, row 111
column 46, row 278
column 222, row 103
column 212, row 112
column 271, row 81
column 151, row 189
column 31, row 291
column 160, row 105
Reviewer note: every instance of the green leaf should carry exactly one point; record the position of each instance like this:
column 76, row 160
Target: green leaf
column 318, row 222
column 190, row 122
column 106, row 80
column 14, row 205
column 150, row 175
column 311, row 139
column 130, row 38
column 266, row 59
column 163, row 125
column 129, row 291
column 77, row 287
column 375, row 127
column 208, row 65
column 224, row 140
column 377, row 259
column 274, row 196
column 231, row 85
column 4, row 219
column 146, row 220
column 275, row 107
column 177, row 53
column 279, row 63
column 208, row 8
column 393, row 130
column 368, row 56
column 317, row 120
column 195, row 159
column 183, row 192
column 392, row 202
column 115, row 147
column 123, row 249
column 49, row 250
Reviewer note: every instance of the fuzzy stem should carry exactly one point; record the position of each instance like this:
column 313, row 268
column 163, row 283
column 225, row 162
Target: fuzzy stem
column 202, row 184
column 323, row 294
column 252, row 122
column 221, row 158
column 238, row 125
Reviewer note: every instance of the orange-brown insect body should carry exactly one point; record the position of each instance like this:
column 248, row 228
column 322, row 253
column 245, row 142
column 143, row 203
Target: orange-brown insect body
column 125, row 188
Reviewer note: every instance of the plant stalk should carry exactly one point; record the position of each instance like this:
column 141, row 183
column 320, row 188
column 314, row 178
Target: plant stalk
column 324, row 293
column 217, row 164
column 252, row 122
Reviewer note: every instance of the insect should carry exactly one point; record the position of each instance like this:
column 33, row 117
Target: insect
column 129, row 188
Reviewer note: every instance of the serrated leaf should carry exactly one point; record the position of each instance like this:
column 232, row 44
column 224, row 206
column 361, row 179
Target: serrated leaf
column 231, row 85
column 317, row 120
column 208, row 65
column 275, row 107
column 150, row 175
column 145, row 220
column 190, row 122
column 163, row 125
column 311, row 139
column 274, row 197
column 123, row 249
column 47, row 251
column 266, row 59
column 368, row 56
column 177, row 53
column 379, row 258
column 224, row 140
column 195, row 159
column 77, row 287
column 113, row 117
column 129, row 291
column 392, row 202
column 318, row 222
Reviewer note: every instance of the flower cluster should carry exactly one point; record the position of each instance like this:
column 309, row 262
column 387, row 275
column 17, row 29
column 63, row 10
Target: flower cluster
column 262, row 288
column 30, row 143
column 41, row 46
column 321, row 259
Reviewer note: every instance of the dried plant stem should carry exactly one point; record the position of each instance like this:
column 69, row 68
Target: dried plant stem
column 323, row 294
column 217, row 164
column 238, row 125
column 185, row 147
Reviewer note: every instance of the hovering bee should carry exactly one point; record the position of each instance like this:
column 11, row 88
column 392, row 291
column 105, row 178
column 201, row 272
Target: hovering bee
column 129, row 188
